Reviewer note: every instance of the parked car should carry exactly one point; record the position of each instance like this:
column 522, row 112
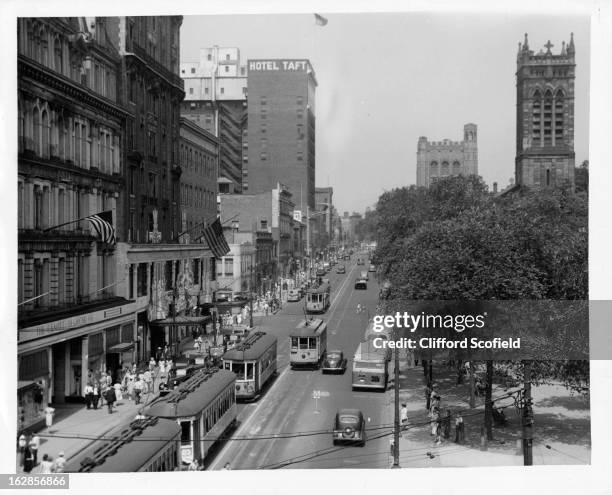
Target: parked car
column 372, row 268
column 334, row 362
column 360, row 283
column 364, row 275
column 294, row 295
column 341, row 269
column 349, row 427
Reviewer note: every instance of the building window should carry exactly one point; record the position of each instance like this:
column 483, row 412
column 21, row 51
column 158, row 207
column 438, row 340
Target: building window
column 244, row 90
column 227, row 68
column 433, row 168
column 264, row 225
column 229, row 267
column 456, row 168
column 209, row 57
column 445, row 169
column 222, row 90
column 227, row 56
column 193, row 70
column 190, row 91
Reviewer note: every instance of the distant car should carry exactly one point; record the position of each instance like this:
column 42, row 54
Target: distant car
column 360, row 261
column 347, row 257
column 334, row 362
column 341, row 269
column 349, row 427
column 294, row 295
column 372, row 268
column 364, row 275
column 360, row 283
column 321, row 272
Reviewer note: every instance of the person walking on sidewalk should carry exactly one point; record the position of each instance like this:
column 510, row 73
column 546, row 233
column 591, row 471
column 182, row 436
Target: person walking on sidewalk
column 435, row 415
column 138, row 384
column 118, row 392
column 28, row 459
column 34, row 445
column 49, row 413
column 110, row 399
column 447, row 424
column 23, row 443
column 60, row 463
column 96, row 396
column 88, row 395
column 46, row 466
column 404, row 416
column 459, row 429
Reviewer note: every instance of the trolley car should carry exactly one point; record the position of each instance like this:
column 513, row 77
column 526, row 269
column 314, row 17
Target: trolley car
column 318, row 298
column 308, row 343
column 254, row 362
column 148, row 444
column 204, row 406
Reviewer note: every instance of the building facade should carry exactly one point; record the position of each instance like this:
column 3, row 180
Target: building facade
column 436, row 159
column 72, row 320
column 216, row 100
column 281, row 128
column 235, row 270
column 199, row 151
column 545, row 116
column 323, row 222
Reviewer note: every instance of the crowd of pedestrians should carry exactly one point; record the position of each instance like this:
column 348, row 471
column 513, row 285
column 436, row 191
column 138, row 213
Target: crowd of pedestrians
column 29, row 445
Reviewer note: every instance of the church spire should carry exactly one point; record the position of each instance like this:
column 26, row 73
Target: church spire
column 526, row 43
column 570, row 48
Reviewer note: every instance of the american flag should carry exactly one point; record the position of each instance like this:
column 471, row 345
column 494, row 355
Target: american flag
column 320, row 20
column 216, row 240
column 102, row 223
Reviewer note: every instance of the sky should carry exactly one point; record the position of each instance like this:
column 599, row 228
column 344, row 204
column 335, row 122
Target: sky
column 387, row 78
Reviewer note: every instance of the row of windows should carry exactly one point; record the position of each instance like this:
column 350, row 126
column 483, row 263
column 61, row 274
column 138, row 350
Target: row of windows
column 50, row 135
column 197, row 197
column 167, row 461
column 547, row 118
column 40, row 42
column 169, row 274
column 221, row 89
column 197, row 162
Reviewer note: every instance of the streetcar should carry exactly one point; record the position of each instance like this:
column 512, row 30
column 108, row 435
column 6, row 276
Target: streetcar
column 204, row 406
column 308, row 343
column 318, row 298
column 139, row 445
column 254, row 362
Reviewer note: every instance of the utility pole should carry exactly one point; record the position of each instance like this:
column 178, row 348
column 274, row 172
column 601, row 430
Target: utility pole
column 527, row 416
column 396, row 422
column 251, row 297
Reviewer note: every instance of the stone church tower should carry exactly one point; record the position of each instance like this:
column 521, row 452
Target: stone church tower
column 437, row 159
column 545, row 116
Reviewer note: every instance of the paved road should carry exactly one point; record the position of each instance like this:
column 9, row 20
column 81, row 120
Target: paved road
column 286, row 427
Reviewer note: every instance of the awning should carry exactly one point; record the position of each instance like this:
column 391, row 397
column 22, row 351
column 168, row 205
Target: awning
column 182, row 320
column 119, row 348
column 23, row 385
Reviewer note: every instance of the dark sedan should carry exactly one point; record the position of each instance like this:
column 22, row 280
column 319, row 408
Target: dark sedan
column 334, row 362
column 341, row 269
column 360, row 283
column 349, row 427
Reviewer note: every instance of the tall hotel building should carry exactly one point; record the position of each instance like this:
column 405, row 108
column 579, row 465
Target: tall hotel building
column 281, row 128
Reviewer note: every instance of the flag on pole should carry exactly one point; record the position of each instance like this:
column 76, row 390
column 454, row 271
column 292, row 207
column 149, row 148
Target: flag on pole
column 102, row 223
column 320, row 20
column 216, row 240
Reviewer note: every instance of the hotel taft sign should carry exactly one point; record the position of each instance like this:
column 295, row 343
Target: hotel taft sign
column 279, row 65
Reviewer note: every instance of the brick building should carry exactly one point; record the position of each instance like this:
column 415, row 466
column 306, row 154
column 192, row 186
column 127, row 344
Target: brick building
column 71, row 126
column 216, row 100
column 545, row 116
column 436, row 159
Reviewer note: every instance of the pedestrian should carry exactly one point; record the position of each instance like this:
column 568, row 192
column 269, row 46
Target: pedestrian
column 194, row 466
column 34, row 445
column 23, row 442
column 137, row 390
column 118, row 392
column 88, row 395
column 96, row 396
column 60, row 463
column 110, row 399
column 152, row 363
column 46, row 466
column 439, row 429
column 147, row 377
column 28, row 459
column 49, row 413
column 459, row 429
column 447, row 424
column 266, row 307
column 435, row 415
column 404, row 414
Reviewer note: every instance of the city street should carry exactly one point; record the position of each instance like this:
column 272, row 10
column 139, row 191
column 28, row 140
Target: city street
column 287, row 427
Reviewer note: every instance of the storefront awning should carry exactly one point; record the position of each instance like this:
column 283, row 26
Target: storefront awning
column 182, row 320
column 119, row 348
column 23, row 385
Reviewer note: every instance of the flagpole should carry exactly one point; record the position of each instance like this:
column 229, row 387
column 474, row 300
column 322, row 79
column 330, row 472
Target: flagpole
column 65, row 223
column 236, row 215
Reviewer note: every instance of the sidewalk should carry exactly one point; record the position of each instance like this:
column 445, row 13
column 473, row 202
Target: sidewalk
column 75, row 426
column 561, row 428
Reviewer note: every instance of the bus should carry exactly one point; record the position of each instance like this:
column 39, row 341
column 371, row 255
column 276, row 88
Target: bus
column 370, row 364
column 139, row 445
column 308, row 343
column 254, row 362
column 318, row 298
column 204, row 406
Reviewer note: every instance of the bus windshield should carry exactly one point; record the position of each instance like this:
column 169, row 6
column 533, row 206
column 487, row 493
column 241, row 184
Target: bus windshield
column 303, row 343
column 294, row 342
column 369, row 365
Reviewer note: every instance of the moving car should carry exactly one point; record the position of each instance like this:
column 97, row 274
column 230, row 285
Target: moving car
column 347, row 257
column 294, row 295
column 349, row 427
column 372, row 268
column 341, row 269
column 364, row 275
column 334, row 362
column 361, row 283
column 321, row 272
column 360, row 261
